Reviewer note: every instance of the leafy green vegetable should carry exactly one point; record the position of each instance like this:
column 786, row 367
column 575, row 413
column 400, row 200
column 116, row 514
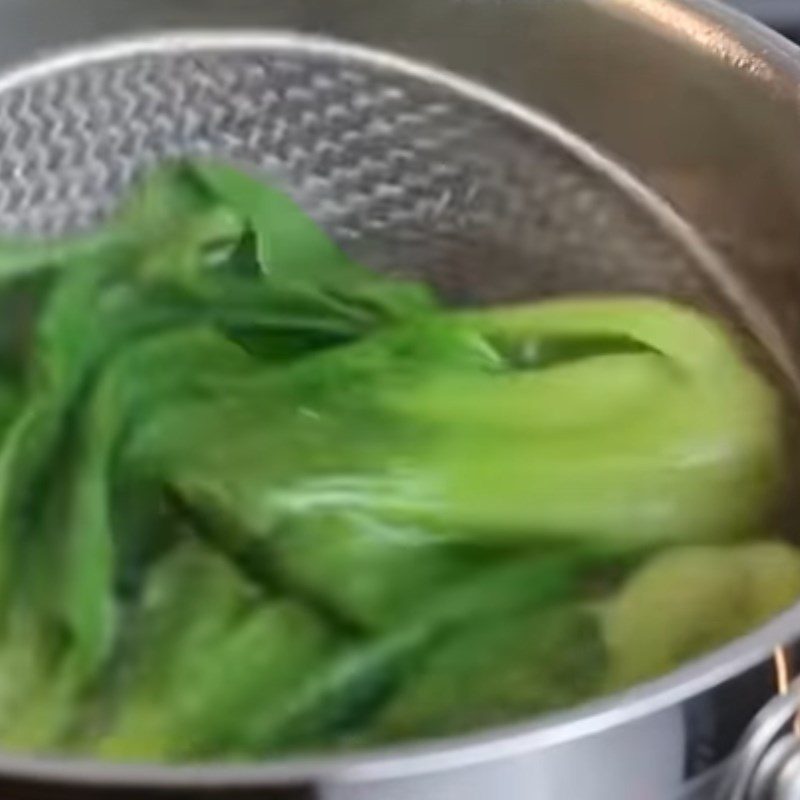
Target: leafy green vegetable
column 631, row 448
column 292, row 250
column 39, row 689
column 209, row 671
column 340, row 699
column 377, row 575
column 256, row 498
column 490, row 673
column 687, row 601
column 425, row 427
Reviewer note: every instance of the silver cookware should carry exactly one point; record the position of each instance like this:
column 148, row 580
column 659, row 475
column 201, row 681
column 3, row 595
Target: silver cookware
column 503, row 149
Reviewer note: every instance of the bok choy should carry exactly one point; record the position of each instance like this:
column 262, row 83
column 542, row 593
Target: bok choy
column 257, row 498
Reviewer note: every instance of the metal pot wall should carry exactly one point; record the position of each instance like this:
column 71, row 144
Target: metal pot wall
column 703, row 105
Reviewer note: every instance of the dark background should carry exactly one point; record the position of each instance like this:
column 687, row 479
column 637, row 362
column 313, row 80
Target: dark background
column 783, row 15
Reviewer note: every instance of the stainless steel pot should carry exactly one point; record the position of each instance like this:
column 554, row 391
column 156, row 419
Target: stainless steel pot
column 476, row 187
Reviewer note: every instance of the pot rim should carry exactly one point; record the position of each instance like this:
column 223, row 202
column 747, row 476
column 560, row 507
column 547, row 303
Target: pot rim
column 728, row 34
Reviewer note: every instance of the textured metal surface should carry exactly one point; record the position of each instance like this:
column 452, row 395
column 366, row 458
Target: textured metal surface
column 412, row 171
column 399, row 167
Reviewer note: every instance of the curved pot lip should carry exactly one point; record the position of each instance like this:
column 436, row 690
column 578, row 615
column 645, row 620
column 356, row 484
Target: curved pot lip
column 719, row 30
column 730, row 35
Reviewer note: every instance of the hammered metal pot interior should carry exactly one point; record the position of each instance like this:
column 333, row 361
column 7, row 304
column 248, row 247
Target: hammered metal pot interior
column 410, row 168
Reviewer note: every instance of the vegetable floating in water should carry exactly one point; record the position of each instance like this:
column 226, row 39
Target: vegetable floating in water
column 255, row 498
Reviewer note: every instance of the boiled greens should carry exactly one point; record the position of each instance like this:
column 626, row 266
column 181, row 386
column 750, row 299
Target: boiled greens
column 257, row 498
